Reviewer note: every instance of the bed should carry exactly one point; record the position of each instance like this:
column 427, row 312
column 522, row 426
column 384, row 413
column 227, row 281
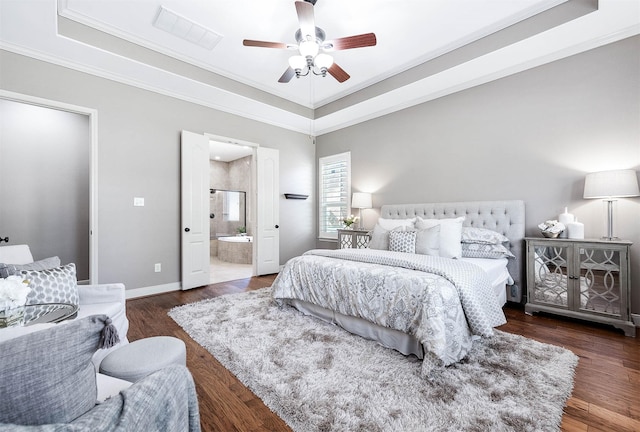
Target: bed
column 427, row 305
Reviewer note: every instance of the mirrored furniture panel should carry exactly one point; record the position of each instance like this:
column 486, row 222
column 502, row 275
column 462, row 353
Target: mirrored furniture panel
column 585, row 279
column 353, row 238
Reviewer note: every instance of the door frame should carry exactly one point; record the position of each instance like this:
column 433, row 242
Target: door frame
column 93, row 164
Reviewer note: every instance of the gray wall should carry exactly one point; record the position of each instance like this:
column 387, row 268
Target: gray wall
column 139, row 156
column 44, row 182
column 530, row 136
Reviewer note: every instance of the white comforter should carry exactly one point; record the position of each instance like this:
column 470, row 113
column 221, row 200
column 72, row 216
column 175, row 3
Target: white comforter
column 441, row 302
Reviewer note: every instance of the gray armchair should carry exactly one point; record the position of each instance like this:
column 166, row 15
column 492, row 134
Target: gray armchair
column 107, row 299
column 48, row 383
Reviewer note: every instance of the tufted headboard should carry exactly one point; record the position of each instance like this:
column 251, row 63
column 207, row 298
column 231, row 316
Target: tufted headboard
column 505, row 217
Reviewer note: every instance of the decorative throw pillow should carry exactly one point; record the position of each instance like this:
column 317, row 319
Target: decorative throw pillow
column 47, row 376
column 390, row 224
column 481, row 250
column 58, row 285
column 482, row 235
column 450, row 234
column 45, row 264
column 428, row 241
column 402, row 241
column 380, row 237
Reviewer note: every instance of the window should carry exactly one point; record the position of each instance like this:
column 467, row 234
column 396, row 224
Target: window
column 334, row 190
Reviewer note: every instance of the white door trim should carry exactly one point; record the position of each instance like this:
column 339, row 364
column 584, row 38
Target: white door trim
column 93, row 168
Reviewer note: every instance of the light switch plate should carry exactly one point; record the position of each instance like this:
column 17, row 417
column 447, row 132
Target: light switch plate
column 138, row 202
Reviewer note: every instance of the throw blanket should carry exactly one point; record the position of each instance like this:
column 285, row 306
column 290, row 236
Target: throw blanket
column 442, row 304
column 163, row 401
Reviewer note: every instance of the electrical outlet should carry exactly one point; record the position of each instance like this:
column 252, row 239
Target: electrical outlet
column 138, row 202
column 158, row 267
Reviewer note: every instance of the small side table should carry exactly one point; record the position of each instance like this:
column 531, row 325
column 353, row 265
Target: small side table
column 353, row 238
column 40, row 314
column 586, row 279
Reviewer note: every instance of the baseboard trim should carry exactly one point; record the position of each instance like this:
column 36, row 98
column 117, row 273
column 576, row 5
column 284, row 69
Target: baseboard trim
column 636, row 319
column 152, row 290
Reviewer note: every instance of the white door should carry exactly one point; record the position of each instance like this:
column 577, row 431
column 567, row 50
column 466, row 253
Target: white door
column 268, row 196
column 194, row 164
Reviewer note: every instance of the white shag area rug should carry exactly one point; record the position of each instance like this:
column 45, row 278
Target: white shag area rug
column 318, row 377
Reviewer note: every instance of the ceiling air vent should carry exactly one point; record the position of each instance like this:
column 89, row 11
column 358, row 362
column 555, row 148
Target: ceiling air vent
column 186, row 29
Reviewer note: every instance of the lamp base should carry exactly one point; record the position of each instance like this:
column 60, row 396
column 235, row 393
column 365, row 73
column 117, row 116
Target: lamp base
column 610, row 238
column 609, row 235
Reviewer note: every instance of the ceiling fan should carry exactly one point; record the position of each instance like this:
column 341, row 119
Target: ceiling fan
column 312, row 46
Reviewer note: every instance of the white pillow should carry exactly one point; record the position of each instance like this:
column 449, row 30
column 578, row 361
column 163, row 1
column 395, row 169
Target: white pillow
column 390, row 224
column 450, row 234
column 428, row 241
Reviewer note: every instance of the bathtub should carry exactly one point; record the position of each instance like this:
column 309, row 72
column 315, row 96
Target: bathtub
column 236, row 239
column 235, row 249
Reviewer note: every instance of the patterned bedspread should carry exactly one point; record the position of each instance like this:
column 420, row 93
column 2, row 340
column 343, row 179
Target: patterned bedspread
column 441, row 302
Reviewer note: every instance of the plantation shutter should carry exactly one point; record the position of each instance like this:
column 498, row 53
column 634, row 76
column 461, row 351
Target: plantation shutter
column 335, row 187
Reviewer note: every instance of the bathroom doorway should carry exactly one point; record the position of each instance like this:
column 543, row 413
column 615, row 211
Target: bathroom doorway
column 231, row 168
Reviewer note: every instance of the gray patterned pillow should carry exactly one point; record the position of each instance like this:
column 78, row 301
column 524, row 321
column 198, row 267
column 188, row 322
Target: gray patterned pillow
column 58, row 285
column 45, row 264
column 481, row 250
column 402, row 241
column 482, row 235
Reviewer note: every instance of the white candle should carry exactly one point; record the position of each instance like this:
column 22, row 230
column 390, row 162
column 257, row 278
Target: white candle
column 565, row 218
column 576, row 230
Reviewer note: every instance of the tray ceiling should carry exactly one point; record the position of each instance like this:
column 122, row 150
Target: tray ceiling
column 425, row 49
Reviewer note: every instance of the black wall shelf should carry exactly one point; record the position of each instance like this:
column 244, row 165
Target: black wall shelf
column 296, row 196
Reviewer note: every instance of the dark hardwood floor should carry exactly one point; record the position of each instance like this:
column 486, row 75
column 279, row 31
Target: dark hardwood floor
column 606, row 394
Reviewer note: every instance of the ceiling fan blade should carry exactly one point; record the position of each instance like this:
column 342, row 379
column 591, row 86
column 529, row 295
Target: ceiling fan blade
column 287, row 75
column 306, row 19
column 338, row 73
column 349, row 42
column 264, row 44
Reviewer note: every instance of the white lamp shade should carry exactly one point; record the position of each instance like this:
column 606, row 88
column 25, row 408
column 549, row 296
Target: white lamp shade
column 323, row 61
column 616, row 183
column 297, row 62
column 361, row 200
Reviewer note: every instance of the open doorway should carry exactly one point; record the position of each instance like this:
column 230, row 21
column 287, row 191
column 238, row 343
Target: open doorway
column 50, row 202
column 262, row 207
column 231, row 220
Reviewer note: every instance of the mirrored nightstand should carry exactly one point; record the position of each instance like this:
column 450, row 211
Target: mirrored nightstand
column 353, row 238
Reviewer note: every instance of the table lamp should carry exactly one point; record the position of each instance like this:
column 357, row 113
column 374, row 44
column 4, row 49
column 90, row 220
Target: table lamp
column 609, row 185
column 361, row 200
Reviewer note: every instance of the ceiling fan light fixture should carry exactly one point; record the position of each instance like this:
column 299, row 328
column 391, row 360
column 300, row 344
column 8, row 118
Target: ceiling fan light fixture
column 311, row 40
column 309, row 48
